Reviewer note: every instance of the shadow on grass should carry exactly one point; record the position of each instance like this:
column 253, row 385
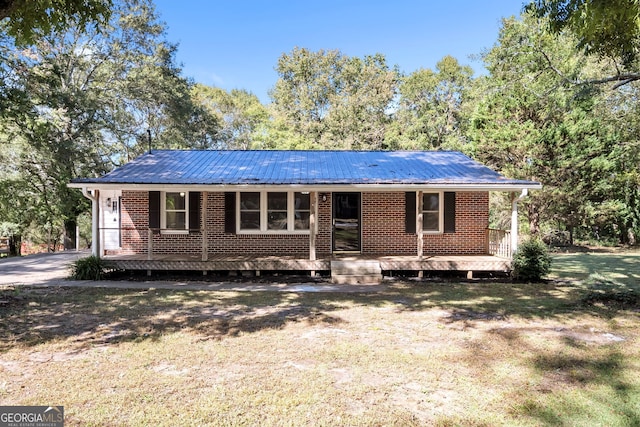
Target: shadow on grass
column 604, row 396
column 90, row 316
column 84, row 317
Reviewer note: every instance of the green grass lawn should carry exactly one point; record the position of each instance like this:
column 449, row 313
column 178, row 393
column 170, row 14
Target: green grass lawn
column 420, row 353
column 620, row 266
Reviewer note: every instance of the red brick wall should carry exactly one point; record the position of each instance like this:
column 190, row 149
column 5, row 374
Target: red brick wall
column 135, row 221
column 472, row 221
column 382, row 229
column 325, row 227
column 383, row 225
column 251, row 244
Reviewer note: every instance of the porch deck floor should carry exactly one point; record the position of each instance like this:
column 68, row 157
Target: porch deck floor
column 300, row 262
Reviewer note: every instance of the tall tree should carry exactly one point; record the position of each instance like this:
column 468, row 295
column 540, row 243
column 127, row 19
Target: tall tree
column 84, row 101
column 517, row 104
column 621, row 110
column 241, row 116
column 531, row 123
column 429, row 112
column 334, row 101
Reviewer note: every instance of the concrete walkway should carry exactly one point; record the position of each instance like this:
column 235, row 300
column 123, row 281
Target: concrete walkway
column 53, row 270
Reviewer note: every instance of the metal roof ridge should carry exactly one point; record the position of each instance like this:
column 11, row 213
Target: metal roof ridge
column 201, row 150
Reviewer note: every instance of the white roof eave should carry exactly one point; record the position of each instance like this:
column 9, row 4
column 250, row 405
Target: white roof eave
column 308, row 187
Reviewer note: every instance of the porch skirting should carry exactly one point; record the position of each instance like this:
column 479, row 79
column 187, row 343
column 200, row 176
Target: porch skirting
column 216, row 263
column 300, row 263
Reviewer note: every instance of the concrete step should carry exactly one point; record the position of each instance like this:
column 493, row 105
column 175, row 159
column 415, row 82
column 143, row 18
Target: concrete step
column 355, row 267
column 351, row 279
column 354, row 272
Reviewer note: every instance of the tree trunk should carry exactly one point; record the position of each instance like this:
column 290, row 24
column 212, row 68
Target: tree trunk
column 627, row 234
column 571, row 235
column 15, row 242
column 534, row 220
column 69, row 236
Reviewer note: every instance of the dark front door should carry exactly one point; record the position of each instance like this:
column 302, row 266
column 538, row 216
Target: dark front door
column 346, row 222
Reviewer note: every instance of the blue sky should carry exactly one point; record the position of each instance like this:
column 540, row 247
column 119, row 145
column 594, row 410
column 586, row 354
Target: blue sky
column 237, row 43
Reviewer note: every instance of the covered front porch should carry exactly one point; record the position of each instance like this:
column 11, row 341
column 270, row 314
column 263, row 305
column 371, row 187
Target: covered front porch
column 355, row 269
column 350, row 268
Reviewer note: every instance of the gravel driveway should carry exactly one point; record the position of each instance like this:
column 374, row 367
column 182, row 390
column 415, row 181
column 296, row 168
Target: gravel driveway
column 39, row 268
column 52, row 269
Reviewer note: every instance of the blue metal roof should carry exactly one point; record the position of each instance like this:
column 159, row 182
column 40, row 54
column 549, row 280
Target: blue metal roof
column 270, row 167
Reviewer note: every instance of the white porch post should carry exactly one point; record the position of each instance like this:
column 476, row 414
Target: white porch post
column 96, row 246
column 95, row 220
column 419, row 230
column 514, row 219
column 313, row 200
column 205, row 237
column 419, row 227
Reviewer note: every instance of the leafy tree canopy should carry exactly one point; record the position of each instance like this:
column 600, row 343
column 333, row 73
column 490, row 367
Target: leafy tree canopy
column 335, row 101
column 30, row 19
column 429, row 112
column 80, row 101
column 607, row 28
column 239, row 113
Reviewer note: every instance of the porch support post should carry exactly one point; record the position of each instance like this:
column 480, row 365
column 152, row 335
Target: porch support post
column 514, row 219
column 205, row 237
column 149, row 247
column 419, row 230
column 96, row 245
column 94, row 196
column 419, row 225
column 149, row 244
column 313, row 212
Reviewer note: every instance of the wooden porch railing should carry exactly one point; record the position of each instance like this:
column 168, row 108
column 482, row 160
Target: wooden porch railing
column 499, row 243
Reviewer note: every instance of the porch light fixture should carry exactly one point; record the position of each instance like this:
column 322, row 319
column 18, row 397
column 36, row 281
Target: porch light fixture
column 107, row 203
column 324, row 197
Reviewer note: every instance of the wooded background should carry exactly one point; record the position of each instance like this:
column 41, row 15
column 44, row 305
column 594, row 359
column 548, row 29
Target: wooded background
column 83, row 82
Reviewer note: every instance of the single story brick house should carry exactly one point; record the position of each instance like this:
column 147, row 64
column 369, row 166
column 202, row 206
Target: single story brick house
column 300, row 210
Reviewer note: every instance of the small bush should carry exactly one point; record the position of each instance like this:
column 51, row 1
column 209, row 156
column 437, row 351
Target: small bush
column 531, row 261
column 557, row 238
column 89, row 268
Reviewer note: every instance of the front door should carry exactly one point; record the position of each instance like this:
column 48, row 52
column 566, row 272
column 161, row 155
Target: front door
column 346, row 222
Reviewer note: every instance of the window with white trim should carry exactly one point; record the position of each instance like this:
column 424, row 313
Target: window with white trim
column 432, row 212
column 302, row 210
column 175, row 211
column 275, row 212
column 249, row 211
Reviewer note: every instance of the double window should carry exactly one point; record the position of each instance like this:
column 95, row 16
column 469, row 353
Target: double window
column 273, row 211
